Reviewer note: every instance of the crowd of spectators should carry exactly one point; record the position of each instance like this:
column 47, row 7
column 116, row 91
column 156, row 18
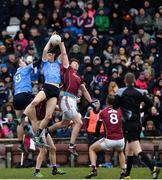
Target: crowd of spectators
column 109, row 38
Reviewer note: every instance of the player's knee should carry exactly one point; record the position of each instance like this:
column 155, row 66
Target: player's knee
column 53, row 149
column 48, row 116
column 80, row 123
column 91, row 148
column 43, row 152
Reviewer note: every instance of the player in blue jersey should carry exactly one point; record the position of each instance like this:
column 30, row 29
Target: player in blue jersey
column 51, row 64
column 22, row 93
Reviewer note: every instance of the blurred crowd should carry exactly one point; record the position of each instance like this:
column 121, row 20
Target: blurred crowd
column 109, row 38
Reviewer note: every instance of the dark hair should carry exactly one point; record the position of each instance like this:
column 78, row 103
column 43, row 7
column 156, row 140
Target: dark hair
column 130, row 78
column 74, row 59
column 110, row 99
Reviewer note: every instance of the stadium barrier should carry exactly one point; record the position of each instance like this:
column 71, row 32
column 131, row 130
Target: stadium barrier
column 10, row 154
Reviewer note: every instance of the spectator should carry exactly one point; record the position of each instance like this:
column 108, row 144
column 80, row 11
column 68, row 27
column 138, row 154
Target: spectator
column 102, row 22
column 83, row 44
column 3, row 54
column 86, row 23
column 69, row 27
column 140, row 82
column 101, row 77
column 101, row 5
column 115, row 24
column 143, row 36
column 127, row 36
column 4, row 94
column 55, row 22
column 123, row 55
column 108, row 52
column 69, row 40
column 150, row 129
column 95, row 47
column 21, row 40
column 6, row 40
column 148, row 8
column 75, row 53
column 145, row 20
column 38, row 40
column 11, row 64
column 74, row 8
column 69, row 15
column 90, row 9
column 157, row 21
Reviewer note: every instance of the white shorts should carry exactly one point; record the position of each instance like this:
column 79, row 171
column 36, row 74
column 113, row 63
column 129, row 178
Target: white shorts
column 69, row 107
column 118, row 145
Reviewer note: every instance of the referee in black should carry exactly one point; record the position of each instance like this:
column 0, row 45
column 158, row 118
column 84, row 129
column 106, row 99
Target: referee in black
column 129, row 100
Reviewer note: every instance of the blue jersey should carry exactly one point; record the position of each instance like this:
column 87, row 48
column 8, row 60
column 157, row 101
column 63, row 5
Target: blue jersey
column 51, row 71
column 22, row 79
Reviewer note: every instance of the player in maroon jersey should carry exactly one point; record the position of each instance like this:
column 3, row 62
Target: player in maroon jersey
column 72, row 83
column 112, row 120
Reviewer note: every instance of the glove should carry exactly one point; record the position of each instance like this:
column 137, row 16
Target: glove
column 93, row 104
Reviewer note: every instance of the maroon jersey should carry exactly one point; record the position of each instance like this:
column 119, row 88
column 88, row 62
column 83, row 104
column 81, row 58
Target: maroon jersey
column 72, row 81
column 41, row 110
column 112, row 120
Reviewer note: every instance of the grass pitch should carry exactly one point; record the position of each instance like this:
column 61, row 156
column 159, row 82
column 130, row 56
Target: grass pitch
column 73, row 173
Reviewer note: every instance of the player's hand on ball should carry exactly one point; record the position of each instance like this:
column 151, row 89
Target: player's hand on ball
column 55, row 39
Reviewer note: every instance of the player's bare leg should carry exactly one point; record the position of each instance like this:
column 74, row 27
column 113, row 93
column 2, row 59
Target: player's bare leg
column 122, row 164
column 75, row 131
column 41, row 156
column 61, row 124
column 50, row 107
column 52, row 156
column 20, row 129
column 93, row 149
column 39, row 98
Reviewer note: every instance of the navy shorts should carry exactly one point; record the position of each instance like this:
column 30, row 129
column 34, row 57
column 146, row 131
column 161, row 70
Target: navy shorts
column 22, row 100
column 132, row 131
column 51, row 91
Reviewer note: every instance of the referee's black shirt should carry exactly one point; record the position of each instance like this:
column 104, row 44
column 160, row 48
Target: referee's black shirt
column 129, row 100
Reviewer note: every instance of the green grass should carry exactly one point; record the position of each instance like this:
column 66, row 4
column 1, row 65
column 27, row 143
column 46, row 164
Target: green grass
column 73, row 173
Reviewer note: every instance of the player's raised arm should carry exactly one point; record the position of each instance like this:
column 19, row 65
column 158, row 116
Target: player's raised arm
column 86, row 93
column 64, row 57
column 45, row 50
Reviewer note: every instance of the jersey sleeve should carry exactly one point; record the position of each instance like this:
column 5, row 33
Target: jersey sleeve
column 100, row 117
column 29, row 67
column 58, row 60
column 82, row 81
column 44, row 60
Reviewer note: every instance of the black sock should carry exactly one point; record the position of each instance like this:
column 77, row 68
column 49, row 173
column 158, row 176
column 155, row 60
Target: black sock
column 54, row 168
column 39, row 131
column 46, row 132
column 21, row 143
column 146, row 160
column 71, row 145
column 37, row 170
column 129, row 165
column 93, row 168
column 23, row 116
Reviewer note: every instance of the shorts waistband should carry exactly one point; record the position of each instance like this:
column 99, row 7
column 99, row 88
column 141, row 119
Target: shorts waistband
column 65, row 93
column 54, row 84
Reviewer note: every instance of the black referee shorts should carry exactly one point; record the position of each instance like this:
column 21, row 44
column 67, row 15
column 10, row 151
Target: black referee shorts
column 132, row 131
column 22, row 100
column 51, row 91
